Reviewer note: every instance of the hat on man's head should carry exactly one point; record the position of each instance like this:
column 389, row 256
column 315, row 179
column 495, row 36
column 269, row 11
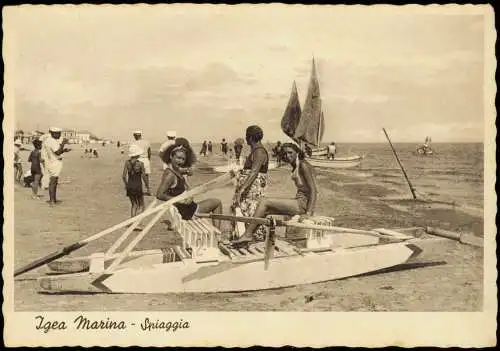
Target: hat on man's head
column 54, row 129
column 171, row 134
column 137, row 132
column 134, row 150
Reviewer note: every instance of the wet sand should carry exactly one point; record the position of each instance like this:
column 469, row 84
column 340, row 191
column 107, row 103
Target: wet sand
column 448, row 276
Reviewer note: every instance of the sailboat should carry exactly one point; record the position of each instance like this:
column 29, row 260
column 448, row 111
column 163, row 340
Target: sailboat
column 307, row 127
column 425, row 149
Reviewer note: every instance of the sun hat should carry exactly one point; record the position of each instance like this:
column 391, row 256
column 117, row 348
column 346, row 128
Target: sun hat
column 54, row 129
column 171, row 134
column 134, row 150
column 137, row 132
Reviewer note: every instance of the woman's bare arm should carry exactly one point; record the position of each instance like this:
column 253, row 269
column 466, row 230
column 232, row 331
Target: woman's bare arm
column 308, row 175
column 167, row 180
column 125, row 173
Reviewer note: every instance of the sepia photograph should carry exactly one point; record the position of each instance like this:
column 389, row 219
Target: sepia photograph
column 290, row 164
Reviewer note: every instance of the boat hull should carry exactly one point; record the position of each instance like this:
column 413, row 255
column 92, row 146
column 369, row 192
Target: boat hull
column 319, row 152
column 338, row 162
column 422, row 152
column 236, row 275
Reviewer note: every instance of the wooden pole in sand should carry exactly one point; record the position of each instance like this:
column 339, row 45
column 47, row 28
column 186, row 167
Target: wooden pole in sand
column 75, row 246
column 400, row 165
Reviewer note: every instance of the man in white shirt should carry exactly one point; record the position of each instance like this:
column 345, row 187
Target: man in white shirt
column 146, row 156
column 52, row 149
column 171, row 135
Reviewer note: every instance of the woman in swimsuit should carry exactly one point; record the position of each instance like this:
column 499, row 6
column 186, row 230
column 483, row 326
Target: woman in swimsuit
column 252, row 179
column 178, row 157
column 303, row 203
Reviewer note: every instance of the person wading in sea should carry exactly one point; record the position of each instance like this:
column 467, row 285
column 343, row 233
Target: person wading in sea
column 304, row 201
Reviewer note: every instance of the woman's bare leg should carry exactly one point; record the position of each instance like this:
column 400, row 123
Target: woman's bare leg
column 211, row 206
column 268, row 206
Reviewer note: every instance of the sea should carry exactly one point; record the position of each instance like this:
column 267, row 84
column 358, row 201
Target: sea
column 454, row 173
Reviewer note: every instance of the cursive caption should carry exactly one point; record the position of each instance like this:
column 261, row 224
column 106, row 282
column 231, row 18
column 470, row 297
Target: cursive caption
column 83, row 323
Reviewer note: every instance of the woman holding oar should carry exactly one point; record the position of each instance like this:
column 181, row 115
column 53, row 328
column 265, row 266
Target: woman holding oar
column 303, row 203
column 252, row 179
column 179, row 157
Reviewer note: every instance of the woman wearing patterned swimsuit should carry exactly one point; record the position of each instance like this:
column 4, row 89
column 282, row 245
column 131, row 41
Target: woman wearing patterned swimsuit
column 252, row 179
column 304, row 201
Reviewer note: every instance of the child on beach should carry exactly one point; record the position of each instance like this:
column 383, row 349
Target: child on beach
column 35, row 158
column 133, row 177
column 18, row 167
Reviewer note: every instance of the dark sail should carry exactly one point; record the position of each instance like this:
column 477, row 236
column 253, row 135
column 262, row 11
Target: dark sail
column 311, row 125
column 292, row 114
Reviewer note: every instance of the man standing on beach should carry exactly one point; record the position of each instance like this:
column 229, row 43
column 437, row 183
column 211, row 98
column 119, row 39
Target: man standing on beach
column 146, row 155
column 53, row 148
column 171, row 135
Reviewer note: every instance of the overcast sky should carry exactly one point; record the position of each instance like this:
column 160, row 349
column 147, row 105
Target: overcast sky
column 210, row 71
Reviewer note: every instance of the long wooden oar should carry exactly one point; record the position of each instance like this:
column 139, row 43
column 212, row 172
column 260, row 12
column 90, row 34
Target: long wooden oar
column 465, row 238
column 294, row 224
column 412, row 189
column 75, row 246
column 127, row 232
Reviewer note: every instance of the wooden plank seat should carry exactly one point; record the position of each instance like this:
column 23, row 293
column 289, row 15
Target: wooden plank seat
column 199, row 236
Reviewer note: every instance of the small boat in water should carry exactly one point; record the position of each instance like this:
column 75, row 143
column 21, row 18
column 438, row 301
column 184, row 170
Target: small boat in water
column 338, row 162
column 425, row 149
column 308, row 126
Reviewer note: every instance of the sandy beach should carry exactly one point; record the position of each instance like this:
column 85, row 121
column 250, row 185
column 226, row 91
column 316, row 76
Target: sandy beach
column 448, row 276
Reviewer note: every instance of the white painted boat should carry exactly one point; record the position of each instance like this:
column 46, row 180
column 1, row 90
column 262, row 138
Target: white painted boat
column 306, row 127
column 244, row 272
column 319, row 152
column 325, row 257
column 338, row 162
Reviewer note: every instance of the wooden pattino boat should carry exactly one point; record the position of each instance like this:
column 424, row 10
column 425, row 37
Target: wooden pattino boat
column 308, row 126
column 204, row 264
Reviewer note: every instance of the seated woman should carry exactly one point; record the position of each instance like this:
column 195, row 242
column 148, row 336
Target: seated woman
column 303, row 203
column 179, row 157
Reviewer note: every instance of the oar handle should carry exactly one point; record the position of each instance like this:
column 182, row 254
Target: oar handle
column 50, row 257
column 281, row 223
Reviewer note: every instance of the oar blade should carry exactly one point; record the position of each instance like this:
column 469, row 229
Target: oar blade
column 472, row 240
column 49, row 258
column 269, row 246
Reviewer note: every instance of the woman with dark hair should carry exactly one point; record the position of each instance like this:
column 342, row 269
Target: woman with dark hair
column 179, row 157
column 303, row 203
column 252, row 179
